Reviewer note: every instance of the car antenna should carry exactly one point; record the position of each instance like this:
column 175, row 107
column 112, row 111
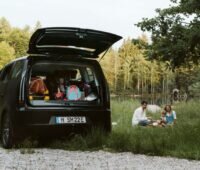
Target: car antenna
column 104, row 54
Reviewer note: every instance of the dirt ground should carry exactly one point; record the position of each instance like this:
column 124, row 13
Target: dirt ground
column 53, row 159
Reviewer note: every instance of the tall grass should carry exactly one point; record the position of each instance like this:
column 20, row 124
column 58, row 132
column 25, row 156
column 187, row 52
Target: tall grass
column 181, row 140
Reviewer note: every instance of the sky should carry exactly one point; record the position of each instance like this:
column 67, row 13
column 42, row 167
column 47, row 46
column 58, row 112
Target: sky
column 116, row 16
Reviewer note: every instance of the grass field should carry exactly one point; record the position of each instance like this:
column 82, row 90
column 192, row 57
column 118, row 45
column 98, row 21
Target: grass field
column 181, row 140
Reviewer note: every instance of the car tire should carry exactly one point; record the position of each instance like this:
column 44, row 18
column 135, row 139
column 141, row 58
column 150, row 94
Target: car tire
column 7, row 135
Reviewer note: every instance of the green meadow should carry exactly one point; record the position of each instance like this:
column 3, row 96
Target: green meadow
column 181, row 140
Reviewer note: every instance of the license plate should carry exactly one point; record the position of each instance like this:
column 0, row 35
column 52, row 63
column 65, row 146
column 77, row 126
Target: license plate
column 71, row 119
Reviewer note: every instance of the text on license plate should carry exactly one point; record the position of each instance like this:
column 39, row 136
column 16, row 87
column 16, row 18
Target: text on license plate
column 71, row 119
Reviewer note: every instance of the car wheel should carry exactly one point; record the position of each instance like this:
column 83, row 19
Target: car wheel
column 7, row 132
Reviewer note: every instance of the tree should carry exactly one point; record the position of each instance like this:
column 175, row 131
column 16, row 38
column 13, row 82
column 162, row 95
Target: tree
column 15, row 37
column 130, row 56
column 37, row 26
column 19, row 40
column 5, row 29
column 110, row 66
column 186, row 78
column 175, row 33
column 6, row 53
column 137, row 72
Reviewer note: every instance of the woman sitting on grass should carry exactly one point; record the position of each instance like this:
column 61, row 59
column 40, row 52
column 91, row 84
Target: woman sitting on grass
column 168, row 116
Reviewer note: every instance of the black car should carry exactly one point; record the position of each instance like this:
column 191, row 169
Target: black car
column 58, row 87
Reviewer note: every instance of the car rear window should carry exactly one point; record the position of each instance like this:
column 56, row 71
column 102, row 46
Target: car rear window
column 62, row 84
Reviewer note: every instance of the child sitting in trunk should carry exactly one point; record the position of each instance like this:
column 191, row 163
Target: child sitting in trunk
column 61, row 92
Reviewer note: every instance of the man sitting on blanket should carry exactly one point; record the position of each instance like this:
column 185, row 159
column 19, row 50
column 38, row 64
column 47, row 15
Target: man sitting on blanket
column 139, row 116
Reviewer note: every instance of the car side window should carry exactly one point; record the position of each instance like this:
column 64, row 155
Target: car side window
column 17, row 69
column 5, row 75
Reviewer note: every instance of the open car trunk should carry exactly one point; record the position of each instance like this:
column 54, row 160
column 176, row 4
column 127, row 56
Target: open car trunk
column 72, row 41
column 63, row 84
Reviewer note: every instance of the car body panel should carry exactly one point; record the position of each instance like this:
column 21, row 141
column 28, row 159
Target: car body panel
column 24, row 114
column 65, row 40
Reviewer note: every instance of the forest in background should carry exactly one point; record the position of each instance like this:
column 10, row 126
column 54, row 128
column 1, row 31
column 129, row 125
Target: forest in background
column 170, row 60
column 139, row 66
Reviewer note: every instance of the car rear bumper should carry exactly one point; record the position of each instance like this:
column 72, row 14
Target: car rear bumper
column 45, row 119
